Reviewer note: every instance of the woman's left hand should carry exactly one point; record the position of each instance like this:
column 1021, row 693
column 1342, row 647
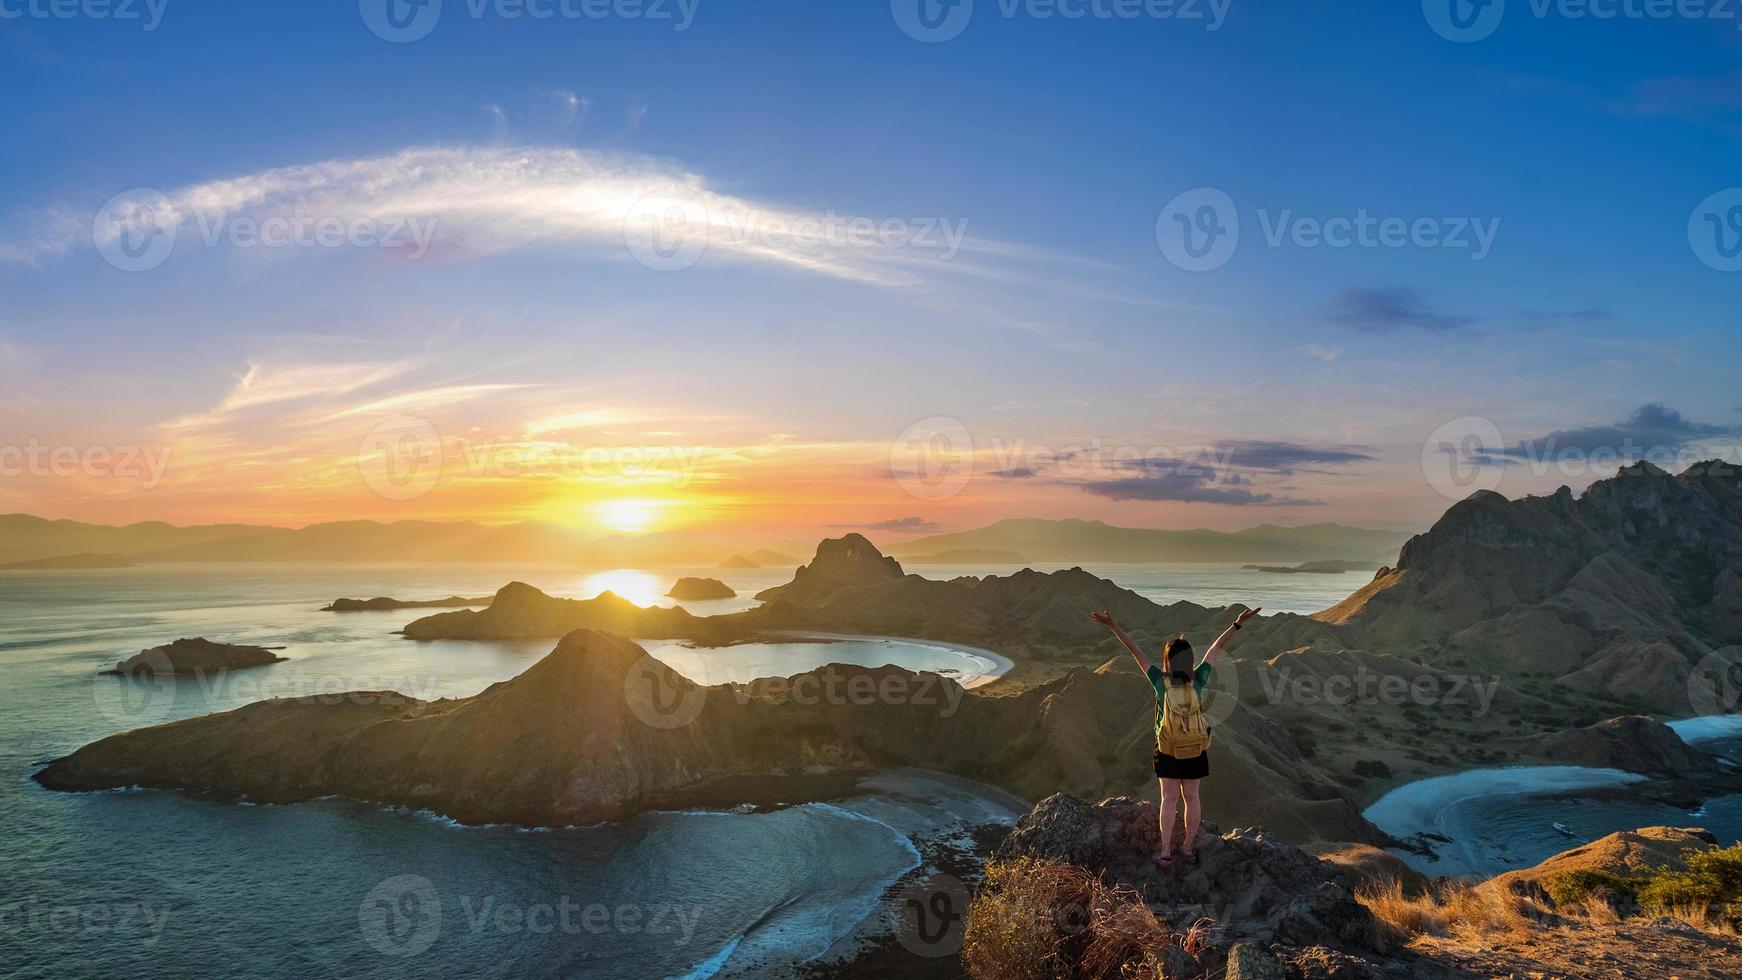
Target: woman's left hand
column 1248, row 614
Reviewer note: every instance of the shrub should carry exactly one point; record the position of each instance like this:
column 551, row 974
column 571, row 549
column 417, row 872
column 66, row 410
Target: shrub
column 1038, row 920
column 1372, row 769
column 1574, row 887
column 1711, row 887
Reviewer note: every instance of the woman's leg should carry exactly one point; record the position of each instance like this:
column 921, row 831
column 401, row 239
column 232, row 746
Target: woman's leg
column 1189, row 790
column 1169, row 807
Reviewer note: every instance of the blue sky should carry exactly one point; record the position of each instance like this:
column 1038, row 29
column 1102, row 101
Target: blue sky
column 1583, row 146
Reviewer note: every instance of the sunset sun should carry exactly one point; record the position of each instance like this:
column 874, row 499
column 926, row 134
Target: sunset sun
column 627, row 515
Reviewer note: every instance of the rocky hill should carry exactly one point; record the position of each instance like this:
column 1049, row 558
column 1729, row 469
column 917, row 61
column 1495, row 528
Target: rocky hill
column 519, row 611
column 1619, row 592
column 616, row 731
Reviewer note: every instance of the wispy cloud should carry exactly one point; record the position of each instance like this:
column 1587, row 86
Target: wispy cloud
column 488, row 200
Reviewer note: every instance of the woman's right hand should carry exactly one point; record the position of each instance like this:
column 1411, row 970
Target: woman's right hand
column 1103, row 617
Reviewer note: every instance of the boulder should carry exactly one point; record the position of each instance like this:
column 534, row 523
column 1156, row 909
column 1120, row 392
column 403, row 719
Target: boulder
column 1249, row 882
column 1249, row 961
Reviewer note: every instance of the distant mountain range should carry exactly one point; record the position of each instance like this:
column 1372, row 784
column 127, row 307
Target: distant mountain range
column 1040, row 540
column 27, row 538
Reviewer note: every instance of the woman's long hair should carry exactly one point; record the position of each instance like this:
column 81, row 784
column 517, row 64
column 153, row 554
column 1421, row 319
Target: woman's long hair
column 1178, row 654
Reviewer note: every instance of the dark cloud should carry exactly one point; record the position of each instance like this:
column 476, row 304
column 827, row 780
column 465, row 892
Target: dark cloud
column 1388, row 310
column 900, row 525
column 1017, row 473
column 1652, row 428
column 1284, row 457
column 1190, row 485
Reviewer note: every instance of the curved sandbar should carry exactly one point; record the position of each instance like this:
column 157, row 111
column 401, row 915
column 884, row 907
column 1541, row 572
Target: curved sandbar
column 997, row 665
column 1426, row 806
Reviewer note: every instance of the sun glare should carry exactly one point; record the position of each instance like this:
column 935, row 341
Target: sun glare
column 627, row 515
column 641, row 588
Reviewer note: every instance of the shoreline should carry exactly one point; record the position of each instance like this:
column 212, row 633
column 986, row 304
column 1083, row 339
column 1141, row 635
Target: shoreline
column 1419, row 814
column 1000, row 664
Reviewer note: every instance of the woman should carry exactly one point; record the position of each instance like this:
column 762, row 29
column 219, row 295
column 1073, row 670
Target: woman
column 1182, row 733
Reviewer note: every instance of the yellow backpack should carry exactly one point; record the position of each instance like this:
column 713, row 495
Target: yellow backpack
column 1183, row 732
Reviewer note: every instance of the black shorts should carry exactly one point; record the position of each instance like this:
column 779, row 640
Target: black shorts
column 1168, row 767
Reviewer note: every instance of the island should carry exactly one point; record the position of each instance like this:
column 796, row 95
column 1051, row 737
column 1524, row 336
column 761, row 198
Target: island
column 690, row 587
column 194, row 656
column 87, row 560
column 1330, row 566
column 739, row 561
column 381, row 603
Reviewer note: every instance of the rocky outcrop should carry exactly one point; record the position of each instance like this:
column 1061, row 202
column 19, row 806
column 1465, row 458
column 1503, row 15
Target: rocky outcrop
column 692, row 588
column 1633, row 743
column 845, row 564
column 1250, row 883
column 382, row 603
column 520, row 611
column 193, row 657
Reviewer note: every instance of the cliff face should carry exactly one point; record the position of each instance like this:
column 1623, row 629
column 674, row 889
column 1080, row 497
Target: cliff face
column 1621, row 591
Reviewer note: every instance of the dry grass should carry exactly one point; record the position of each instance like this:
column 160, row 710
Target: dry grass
column 1035, row 920
column 1451, row 909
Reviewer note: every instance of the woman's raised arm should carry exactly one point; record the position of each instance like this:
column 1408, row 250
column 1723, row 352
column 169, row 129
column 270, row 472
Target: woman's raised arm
column 1221, row 643
column 1106, row 619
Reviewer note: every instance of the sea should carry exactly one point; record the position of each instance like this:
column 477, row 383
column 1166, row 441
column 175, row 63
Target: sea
column 134, row 883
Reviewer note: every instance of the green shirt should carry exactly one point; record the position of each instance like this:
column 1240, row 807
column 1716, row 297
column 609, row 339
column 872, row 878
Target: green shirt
column 1158, row 680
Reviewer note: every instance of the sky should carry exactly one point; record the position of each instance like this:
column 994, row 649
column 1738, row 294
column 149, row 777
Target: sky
column 782, row 268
